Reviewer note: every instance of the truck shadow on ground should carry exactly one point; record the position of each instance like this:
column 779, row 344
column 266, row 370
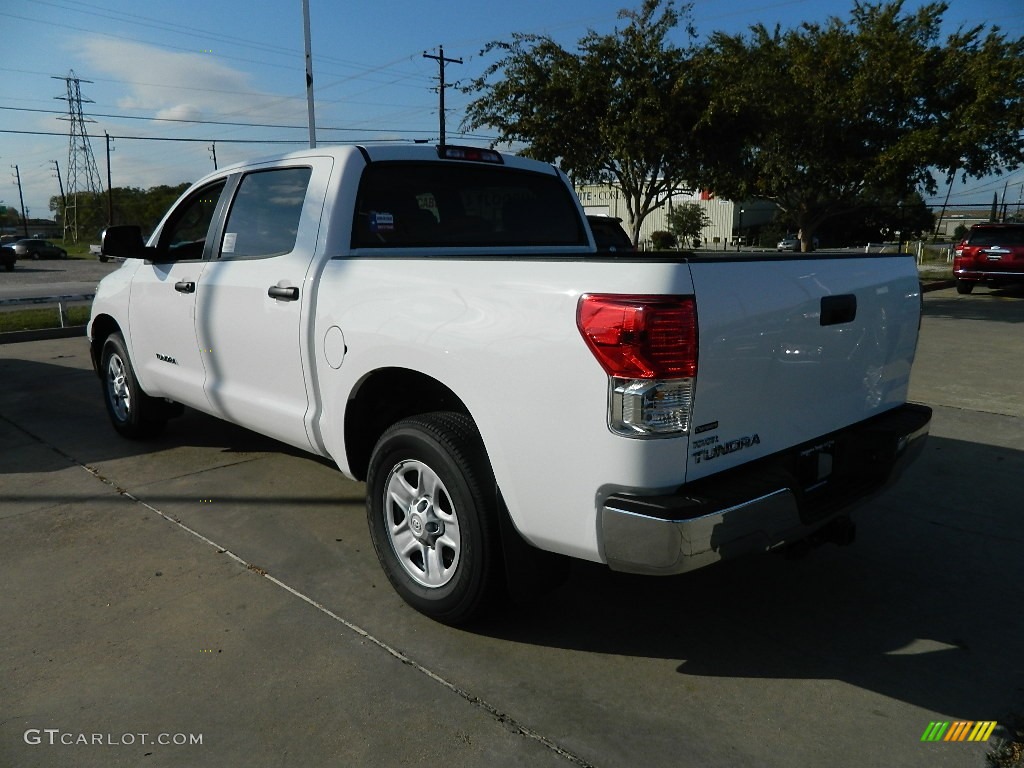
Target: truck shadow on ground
column 923, row 608
column 62, row 407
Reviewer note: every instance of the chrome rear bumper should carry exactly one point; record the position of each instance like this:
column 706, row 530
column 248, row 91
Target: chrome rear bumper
column 759, row 507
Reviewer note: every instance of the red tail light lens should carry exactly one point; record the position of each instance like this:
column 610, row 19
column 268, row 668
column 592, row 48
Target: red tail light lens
column 641, row 337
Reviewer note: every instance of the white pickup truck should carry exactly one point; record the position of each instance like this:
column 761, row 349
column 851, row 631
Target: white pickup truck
column 439, row 323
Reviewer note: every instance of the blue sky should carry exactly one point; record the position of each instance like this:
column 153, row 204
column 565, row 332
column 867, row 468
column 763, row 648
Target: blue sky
column 230, row 62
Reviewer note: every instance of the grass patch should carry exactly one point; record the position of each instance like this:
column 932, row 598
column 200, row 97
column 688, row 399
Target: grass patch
column 40, row 318
column 1009, row 751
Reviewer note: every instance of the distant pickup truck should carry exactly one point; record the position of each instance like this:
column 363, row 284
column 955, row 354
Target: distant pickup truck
column 440, row 323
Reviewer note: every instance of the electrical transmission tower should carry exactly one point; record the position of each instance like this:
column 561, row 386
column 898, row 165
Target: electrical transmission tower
column 83, row 175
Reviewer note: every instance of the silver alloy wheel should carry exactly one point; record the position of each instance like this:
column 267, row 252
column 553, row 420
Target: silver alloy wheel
column 117, row 388
column 422, row 524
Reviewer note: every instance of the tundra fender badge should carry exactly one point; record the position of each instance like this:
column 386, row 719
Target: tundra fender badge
column 711, row 448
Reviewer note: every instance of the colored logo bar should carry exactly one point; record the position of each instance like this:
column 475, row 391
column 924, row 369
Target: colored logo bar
column 960, row 730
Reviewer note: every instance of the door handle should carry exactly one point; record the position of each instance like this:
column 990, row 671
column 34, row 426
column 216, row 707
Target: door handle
column 185, row 286
column 288, row 294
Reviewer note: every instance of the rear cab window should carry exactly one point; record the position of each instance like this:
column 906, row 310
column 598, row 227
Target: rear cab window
column 407, row 204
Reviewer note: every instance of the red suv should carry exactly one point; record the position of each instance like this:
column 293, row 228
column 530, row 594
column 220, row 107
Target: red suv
column 992, row 254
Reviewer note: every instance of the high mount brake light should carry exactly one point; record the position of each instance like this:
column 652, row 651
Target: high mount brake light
column 648, row 347
column 641, row 337
column 476, row 154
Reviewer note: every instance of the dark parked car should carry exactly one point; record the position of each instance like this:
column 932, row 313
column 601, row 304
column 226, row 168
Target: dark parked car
column 609, row 234
column 7, row 257
column 992, row 254
column 39, row 249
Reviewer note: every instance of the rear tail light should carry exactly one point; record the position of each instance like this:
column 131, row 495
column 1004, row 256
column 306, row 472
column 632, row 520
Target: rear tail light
column 648, row 347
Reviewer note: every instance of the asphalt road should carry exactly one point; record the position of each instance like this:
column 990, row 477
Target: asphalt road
column 58, row 277
column 215, row 584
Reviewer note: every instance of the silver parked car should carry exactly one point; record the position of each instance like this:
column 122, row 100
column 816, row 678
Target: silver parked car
column 792, row 243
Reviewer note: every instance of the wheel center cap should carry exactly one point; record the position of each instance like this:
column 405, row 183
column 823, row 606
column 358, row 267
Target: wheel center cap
column 424, row 523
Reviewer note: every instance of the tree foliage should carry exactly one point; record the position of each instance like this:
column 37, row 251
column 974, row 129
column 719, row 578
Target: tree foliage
column 131, row 205
column 686, row 221
column 621, row 108
column 813, row 117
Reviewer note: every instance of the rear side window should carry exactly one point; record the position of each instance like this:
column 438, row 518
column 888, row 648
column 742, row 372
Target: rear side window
column 264, row 216
column 445, row 204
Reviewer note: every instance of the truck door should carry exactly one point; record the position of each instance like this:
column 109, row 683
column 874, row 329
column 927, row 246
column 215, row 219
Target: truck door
column 167, row 358
column 255, row 297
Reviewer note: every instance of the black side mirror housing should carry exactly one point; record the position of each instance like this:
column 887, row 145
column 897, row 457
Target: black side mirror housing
column 125, row 242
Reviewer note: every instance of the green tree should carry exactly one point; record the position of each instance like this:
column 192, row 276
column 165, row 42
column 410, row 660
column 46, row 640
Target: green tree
column 687, row 221
column 131, row 205
column 621, row 108
column 812, row 117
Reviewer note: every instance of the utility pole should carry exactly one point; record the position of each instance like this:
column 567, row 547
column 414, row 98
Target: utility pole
column 309, row 75
column 213, row 154
column 441, row 61
column 24, row 215
column 110, row 189
column 63, row 200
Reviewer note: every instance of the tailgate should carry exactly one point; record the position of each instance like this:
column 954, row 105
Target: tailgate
column 795, row 348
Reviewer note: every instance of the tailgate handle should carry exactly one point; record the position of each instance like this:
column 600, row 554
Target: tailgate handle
column 836, row 310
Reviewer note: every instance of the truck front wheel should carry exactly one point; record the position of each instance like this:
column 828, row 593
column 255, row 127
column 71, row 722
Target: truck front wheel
column 432, row 513
column 132, row 412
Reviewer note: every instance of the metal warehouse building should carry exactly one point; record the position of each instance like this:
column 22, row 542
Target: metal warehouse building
column 728, row 219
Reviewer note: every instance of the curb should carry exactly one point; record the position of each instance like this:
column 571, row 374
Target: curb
column 16, row 337
column 936, row 285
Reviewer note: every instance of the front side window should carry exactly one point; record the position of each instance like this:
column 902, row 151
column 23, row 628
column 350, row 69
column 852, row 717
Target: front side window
column 183, row 238
column 442, row 204
column 265, row 214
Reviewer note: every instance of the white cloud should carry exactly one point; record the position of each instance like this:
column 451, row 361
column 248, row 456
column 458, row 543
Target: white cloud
column 183, row 85
column 181, row 112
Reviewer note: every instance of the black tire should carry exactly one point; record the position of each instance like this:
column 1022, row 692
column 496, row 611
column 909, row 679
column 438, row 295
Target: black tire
column 132, row 412
column 964, row 286
column 9, row 267
column 432, row 511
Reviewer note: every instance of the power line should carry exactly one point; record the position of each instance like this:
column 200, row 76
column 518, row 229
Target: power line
column 246, row 140
column 229, row 123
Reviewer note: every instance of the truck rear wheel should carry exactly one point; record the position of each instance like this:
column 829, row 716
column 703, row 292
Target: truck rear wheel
column 964, row 286
column 432, row 513
column 133, row 413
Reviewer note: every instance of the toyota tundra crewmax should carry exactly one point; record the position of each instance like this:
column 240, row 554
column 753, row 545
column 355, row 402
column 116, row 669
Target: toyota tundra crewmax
column 439, row 323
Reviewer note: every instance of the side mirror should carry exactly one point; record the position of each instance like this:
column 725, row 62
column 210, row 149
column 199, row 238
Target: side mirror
column 124, row 242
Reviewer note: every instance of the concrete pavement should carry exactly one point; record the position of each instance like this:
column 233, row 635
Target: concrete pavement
column 213, row 582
